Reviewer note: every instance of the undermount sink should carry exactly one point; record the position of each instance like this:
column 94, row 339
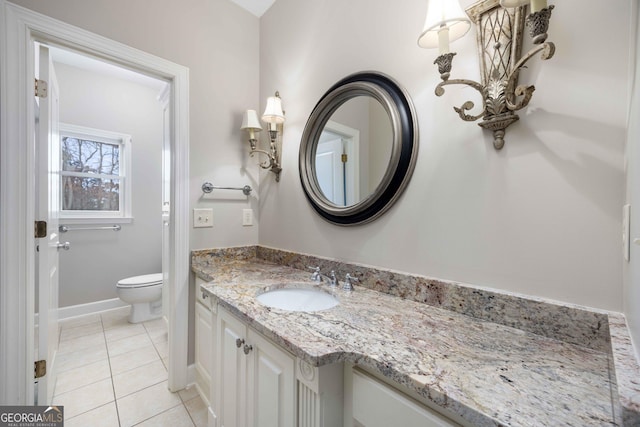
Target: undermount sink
column 298, row 299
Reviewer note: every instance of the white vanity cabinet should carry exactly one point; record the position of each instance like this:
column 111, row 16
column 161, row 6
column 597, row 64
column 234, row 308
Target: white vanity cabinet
column 204, row 341
column 255, row 382
column 374, row 403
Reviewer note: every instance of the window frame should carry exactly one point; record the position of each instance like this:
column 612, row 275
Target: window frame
column 124, row 214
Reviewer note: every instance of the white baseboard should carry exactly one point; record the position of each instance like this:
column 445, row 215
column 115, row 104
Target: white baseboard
column 192, row 381
column 90, row 308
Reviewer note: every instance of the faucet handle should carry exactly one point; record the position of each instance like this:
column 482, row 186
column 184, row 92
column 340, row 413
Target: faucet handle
column 348, row 285
column 316, row 276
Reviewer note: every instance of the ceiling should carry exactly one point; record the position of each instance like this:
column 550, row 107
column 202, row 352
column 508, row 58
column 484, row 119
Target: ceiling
column 256, row 7
column 94, row 65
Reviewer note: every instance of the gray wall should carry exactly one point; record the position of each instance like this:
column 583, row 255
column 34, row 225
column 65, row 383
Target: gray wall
column 542, row 217
column 218, row 42
column 98, row 259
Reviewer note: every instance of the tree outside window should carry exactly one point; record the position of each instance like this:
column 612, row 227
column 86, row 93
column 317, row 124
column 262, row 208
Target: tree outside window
column 92, row 178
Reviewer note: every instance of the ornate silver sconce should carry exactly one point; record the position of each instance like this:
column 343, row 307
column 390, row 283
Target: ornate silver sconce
column 274, row 117
column 500, row 25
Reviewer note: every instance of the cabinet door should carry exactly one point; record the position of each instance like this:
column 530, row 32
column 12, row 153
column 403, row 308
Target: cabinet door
column 231, row 371
column 376, row 404
column 271, row 381
column 204, row 337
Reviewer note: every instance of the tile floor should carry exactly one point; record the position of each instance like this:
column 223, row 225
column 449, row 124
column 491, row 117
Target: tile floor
column 114, row 374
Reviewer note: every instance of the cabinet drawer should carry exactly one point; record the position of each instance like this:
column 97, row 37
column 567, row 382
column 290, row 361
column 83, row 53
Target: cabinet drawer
column 376, row 404
column 201, row 296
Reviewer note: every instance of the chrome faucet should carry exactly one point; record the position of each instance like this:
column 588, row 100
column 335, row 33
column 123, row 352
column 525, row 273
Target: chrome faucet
column 318, row 277
column 333, row 280
column 348, row 286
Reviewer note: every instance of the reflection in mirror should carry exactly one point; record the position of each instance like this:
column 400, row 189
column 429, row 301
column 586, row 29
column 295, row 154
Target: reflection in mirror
column 353, row 151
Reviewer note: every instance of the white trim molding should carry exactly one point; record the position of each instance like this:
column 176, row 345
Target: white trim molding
column 95, row 307
column 90, row 308
column 19, row 28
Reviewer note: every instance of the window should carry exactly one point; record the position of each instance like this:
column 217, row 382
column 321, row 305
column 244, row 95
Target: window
column 94, row 174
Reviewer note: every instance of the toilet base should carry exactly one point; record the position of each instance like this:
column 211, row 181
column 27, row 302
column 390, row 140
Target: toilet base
column 144, row 311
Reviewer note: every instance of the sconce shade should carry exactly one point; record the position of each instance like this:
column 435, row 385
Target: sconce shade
column 273, row 114
column 250, row 121
column 513, row 3
column 443, row 14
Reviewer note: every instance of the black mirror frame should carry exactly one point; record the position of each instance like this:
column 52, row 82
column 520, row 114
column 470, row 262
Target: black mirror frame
column 404, row 150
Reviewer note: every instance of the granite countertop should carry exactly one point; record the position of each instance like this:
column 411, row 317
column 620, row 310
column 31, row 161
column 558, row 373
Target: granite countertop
column 487, row 373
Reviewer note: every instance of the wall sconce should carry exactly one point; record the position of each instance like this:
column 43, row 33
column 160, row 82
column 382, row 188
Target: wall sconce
column 274, row 117
column 499, row 25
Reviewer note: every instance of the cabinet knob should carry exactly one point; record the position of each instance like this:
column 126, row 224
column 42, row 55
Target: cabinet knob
column 247, row 348
column 239, row 342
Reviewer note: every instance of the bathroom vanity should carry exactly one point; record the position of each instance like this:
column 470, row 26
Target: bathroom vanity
column 377, row 360
column 259, row 380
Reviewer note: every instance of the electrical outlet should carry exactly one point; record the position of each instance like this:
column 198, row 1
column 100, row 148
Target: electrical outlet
column 202, row 218
column 247, row 217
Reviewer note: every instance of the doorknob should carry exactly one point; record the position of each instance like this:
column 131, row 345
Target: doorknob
column 66, row 246
column 636, row 241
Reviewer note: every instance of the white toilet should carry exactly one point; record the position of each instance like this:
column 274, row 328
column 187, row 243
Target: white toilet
column 144, row 293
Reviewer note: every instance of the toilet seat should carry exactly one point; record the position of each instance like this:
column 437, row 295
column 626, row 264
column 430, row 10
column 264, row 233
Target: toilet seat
column 142, row 281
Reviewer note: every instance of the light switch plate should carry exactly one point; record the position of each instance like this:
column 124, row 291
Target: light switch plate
column 247, row 217
column 202, row 218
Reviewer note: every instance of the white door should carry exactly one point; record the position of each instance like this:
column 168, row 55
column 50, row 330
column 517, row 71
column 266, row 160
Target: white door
column 330, row 170
column 48, row 205
column 338, row 164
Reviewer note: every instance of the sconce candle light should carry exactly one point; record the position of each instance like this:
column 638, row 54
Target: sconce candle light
column 499, row 25
column 251, row 124
column 274, row 117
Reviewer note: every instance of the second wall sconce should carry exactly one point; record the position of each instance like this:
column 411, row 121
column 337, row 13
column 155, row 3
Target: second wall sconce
column 274, row 118
column 499, row 25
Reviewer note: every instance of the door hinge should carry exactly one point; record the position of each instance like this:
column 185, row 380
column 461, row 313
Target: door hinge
column 40, row 229
column 39, row 368
column 344, row 158
column 41, row 88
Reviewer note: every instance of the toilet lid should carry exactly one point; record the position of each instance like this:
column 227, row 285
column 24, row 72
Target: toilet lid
column 140, row 281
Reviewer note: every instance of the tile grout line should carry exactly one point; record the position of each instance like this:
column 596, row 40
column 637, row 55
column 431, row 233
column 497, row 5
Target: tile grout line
column 159, row 413
column 108, row 361
column 147, row 329
column 113, row 387
column 168, row 409
column 149, row 386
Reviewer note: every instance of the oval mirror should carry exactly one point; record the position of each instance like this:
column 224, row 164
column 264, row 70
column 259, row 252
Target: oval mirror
column 358, row 148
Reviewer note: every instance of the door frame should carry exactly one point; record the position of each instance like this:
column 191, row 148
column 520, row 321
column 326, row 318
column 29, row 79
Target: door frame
column 20, row 28
column 352, row 136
